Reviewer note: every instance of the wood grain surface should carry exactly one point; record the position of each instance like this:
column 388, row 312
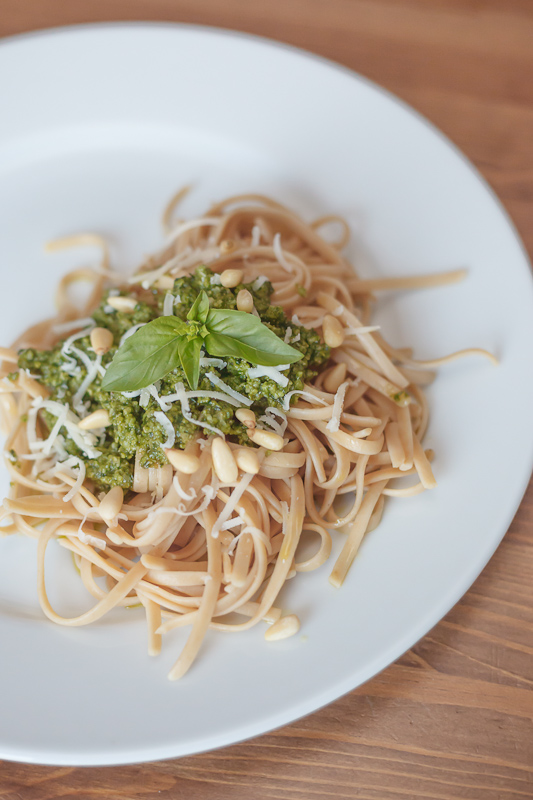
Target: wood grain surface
column 452, row 719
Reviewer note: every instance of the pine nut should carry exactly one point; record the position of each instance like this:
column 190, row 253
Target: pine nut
column 247, row 460
column 111, row 504
column 245, row 301
column 267, row 439
column 335, row 378
column 246, row 416
column 125, row 304
column 101, row 340
column 283, row 628
column 226, row 246
column 223, row 461
column 187, row 463
column 98, row 419
column 165, row 282
column 333, row 331
column 231, row 278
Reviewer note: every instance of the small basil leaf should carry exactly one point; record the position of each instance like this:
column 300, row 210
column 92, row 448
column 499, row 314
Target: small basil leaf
column 189, row 351
column 200, row 308
column 217, row 344
column 250, row 339
column 146, row 356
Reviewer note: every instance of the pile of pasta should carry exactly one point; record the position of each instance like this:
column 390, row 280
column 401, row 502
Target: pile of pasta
column 195, row 550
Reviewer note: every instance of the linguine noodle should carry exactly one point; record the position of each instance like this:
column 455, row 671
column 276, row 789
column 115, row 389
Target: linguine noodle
column 192, row 549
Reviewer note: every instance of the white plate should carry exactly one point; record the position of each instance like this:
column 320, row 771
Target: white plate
column 99, row 126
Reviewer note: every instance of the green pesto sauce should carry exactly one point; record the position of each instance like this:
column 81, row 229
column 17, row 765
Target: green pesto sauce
column 134, row 428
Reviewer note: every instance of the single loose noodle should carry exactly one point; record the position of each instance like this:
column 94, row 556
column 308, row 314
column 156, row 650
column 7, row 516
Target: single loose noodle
column 194, row 550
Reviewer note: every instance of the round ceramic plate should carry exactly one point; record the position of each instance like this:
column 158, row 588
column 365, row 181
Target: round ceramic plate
column 100, row 125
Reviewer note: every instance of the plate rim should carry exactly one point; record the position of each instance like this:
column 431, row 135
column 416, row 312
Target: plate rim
column 332, row 692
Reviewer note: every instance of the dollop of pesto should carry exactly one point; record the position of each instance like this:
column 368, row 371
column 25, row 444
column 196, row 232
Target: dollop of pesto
column 134, row 428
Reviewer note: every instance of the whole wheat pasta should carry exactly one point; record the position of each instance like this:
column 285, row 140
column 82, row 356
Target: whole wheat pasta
column 196, row 542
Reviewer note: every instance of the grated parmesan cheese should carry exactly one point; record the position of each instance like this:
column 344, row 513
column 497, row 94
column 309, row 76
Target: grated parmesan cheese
column 74, row 461
column 167, row 427
column 307, row 396
column 229, row 508
column 338, row 403
column 280, row 255
column 182, row 396
column 67, row 344
column 262, row 279
column 92, row 372
column 130, row 332
column 212, row 362
column 227, row 389
column 278, row 427
column 168, row 305
column 256, row 236
column 191, row 495
column 64, row 327
column 274, row 373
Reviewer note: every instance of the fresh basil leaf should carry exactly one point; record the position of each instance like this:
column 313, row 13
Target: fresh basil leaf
column 189, row 351
column 199, row 309
column 146, row 356
column 235, row 333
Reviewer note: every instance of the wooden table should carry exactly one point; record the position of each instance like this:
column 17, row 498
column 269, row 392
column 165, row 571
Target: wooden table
column 452, row 718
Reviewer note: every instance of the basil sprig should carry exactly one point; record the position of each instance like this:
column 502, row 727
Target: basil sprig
column 167, row 342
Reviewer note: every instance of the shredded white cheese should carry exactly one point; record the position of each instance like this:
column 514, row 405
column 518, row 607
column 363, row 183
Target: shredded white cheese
column 64, row 327
column 171, row 398
column 280, row 255
column 75, row 462
column 144, row 397
column 338, row 403
column 227, row 389
column 256, row 236
column 182, row 395
column 70, row 366
column 288, row 334
column 306, row 395
column 215, row 280
column 67, row 344
column 168, row 305
column 212, row 362
column 190, row 495
column 85, row 440
column 162, row 402
column 229, row 508
column 86, row 538
column 262, row 279
column 232, row 523
column 89, row 378
column 270, row 372
column 167, row 427
column 131, row 331
column 278, row 427
column 60, row 421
